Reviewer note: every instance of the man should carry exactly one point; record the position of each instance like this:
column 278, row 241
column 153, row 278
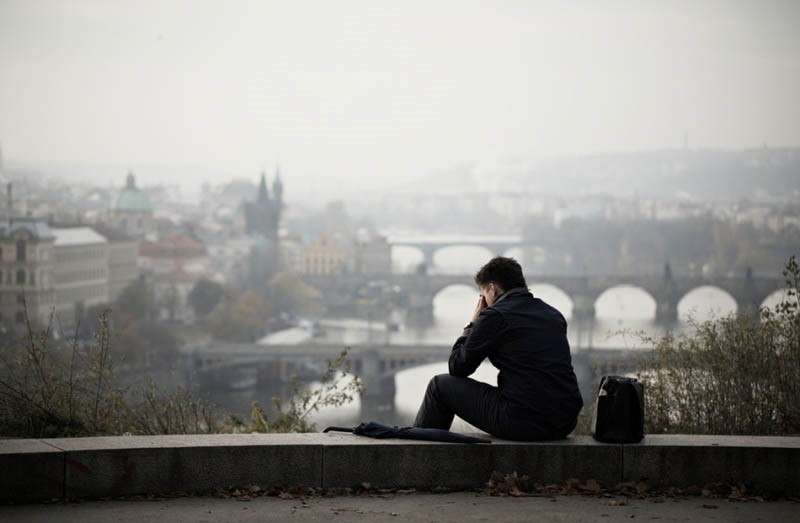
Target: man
column 537, row 395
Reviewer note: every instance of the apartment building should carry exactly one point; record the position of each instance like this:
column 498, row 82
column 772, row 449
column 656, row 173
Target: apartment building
column 26, row 271
column 80, row 272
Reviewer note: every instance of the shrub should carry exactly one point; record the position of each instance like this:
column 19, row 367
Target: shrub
column 731, row 375
column 335, row 389
column 53, row 388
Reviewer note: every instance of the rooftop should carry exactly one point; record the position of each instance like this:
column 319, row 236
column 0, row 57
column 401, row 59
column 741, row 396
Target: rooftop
column 77, row 236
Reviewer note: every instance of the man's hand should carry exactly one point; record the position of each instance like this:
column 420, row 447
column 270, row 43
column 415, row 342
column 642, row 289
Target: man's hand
column 479, row 307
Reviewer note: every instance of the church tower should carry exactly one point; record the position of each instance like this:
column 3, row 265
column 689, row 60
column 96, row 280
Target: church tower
column 263, row 215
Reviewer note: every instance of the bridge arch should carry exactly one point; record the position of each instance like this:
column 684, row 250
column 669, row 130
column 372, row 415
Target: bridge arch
column 774, row 299
column 554, row 296
column 706, row 302
column 461, row 259
column 454, row 303
column 406, row 259
column 625, row 301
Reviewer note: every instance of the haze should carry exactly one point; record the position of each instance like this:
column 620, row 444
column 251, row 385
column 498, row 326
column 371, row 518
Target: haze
column 347, row 95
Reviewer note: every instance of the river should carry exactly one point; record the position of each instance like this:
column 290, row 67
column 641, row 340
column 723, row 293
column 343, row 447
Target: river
column 623, row 315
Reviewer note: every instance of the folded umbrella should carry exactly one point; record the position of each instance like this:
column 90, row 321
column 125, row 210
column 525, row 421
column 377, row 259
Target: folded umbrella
column 377, row 430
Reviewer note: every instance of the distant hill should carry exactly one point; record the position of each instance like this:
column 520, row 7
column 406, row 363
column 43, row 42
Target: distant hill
column 715, row 175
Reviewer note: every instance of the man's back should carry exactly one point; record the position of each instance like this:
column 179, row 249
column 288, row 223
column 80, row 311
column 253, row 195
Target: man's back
column 533, row 357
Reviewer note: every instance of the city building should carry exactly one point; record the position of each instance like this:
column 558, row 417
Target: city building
column 373, row 257
column 132, row 213
column 174, row 264
column 80, row 273
column 123, row 255
column 323, row 257
column 177, row 252
column 26, row 271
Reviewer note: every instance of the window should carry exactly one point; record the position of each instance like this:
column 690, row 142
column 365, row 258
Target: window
column 20, row 298
column 20, row 250
column 20, row 317
column 21, row 277
column 33, row 278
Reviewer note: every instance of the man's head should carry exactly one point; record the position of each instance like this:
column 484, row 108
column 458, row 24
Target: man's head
column 498, row 276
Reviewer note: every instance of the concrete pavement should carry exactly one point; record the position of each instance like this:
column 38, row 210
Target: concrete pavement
column 414, row 507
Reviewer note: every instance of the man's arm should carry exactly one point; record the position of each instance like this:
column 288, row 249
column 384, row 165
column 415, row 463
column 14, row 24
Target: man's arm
column 476, row 344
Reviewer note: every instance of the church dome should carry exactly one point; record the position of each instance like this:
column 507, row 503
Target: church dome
column 131, row 199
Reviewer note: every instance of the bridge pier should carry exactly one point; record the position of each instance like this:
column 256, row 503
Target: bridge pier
column 419, row 312
column 379, row 390
column 583, row 307
column 667, row 298
column 667, row 311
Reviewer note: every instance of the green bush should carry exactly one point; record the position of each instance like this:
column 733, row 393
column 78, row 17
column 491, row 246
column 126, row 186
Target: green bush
column 732, row 375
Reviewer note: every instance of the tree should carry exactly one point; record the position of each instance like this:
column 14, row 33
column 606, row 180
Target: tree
column 290, row 294
column 732, row 375
column 243, row 320
column 141, row 340
column 136, row 301
column 204, row 296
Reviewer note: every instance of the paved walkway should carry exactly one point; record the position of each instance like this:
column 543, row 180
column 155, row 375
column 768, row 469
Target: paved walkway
column 418, row 507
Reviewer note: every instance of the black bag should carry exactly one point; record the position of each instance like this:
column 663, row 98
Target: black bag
column 619, row 411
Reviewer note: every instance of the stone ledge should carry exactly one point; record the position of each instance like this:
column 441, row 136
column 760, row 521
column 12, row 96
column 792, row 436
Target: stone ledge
column 127, row 465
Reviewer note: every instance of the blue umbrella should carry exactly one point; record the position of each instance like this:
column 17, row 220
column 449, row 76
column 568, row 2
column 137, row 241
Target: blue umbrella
column 377, row 430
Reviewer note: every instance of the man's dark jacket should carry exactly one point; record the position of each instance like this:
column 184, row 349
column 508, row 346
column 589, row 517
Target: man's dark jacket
column 526, row 339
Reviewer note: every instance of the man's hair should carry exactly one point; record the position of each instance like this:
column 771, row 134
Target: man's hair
column 505, row 272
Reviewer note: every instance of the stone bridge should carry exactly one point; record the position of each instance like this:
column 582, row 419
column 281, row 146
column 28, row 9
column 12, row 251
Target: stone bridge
column 666, row 290
column 428, row 245
column 376, row 365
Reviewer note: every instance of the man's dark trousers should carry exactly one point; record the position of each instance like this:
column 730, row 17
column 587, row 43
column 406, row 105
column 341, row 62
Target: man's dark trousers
column 482, row 406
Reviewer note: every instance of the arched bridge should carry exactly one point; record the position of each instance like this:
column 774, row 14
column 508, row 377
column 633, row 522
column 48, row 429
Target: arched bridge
column 666, row 290
column 428, row 245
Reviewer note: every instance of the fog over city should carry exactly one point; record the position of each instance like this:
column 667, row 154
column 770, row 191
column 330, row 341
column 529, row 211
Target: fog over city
column 250, row 186
column 353, row 95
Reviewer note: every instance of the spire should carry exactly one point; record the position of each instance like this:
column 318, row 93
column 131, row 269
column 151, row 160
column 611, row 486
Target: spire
column 263, row 195
column 277, row 185
column 130, row 181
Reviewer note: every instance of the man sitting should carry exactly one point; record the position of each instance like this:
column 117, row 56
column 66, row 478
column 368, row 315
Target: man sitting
column 537, row 395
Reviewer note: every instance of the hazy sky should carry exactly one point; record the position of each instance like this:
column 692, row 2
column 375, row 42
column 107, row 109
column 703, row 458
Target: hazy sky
column 346, row 92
